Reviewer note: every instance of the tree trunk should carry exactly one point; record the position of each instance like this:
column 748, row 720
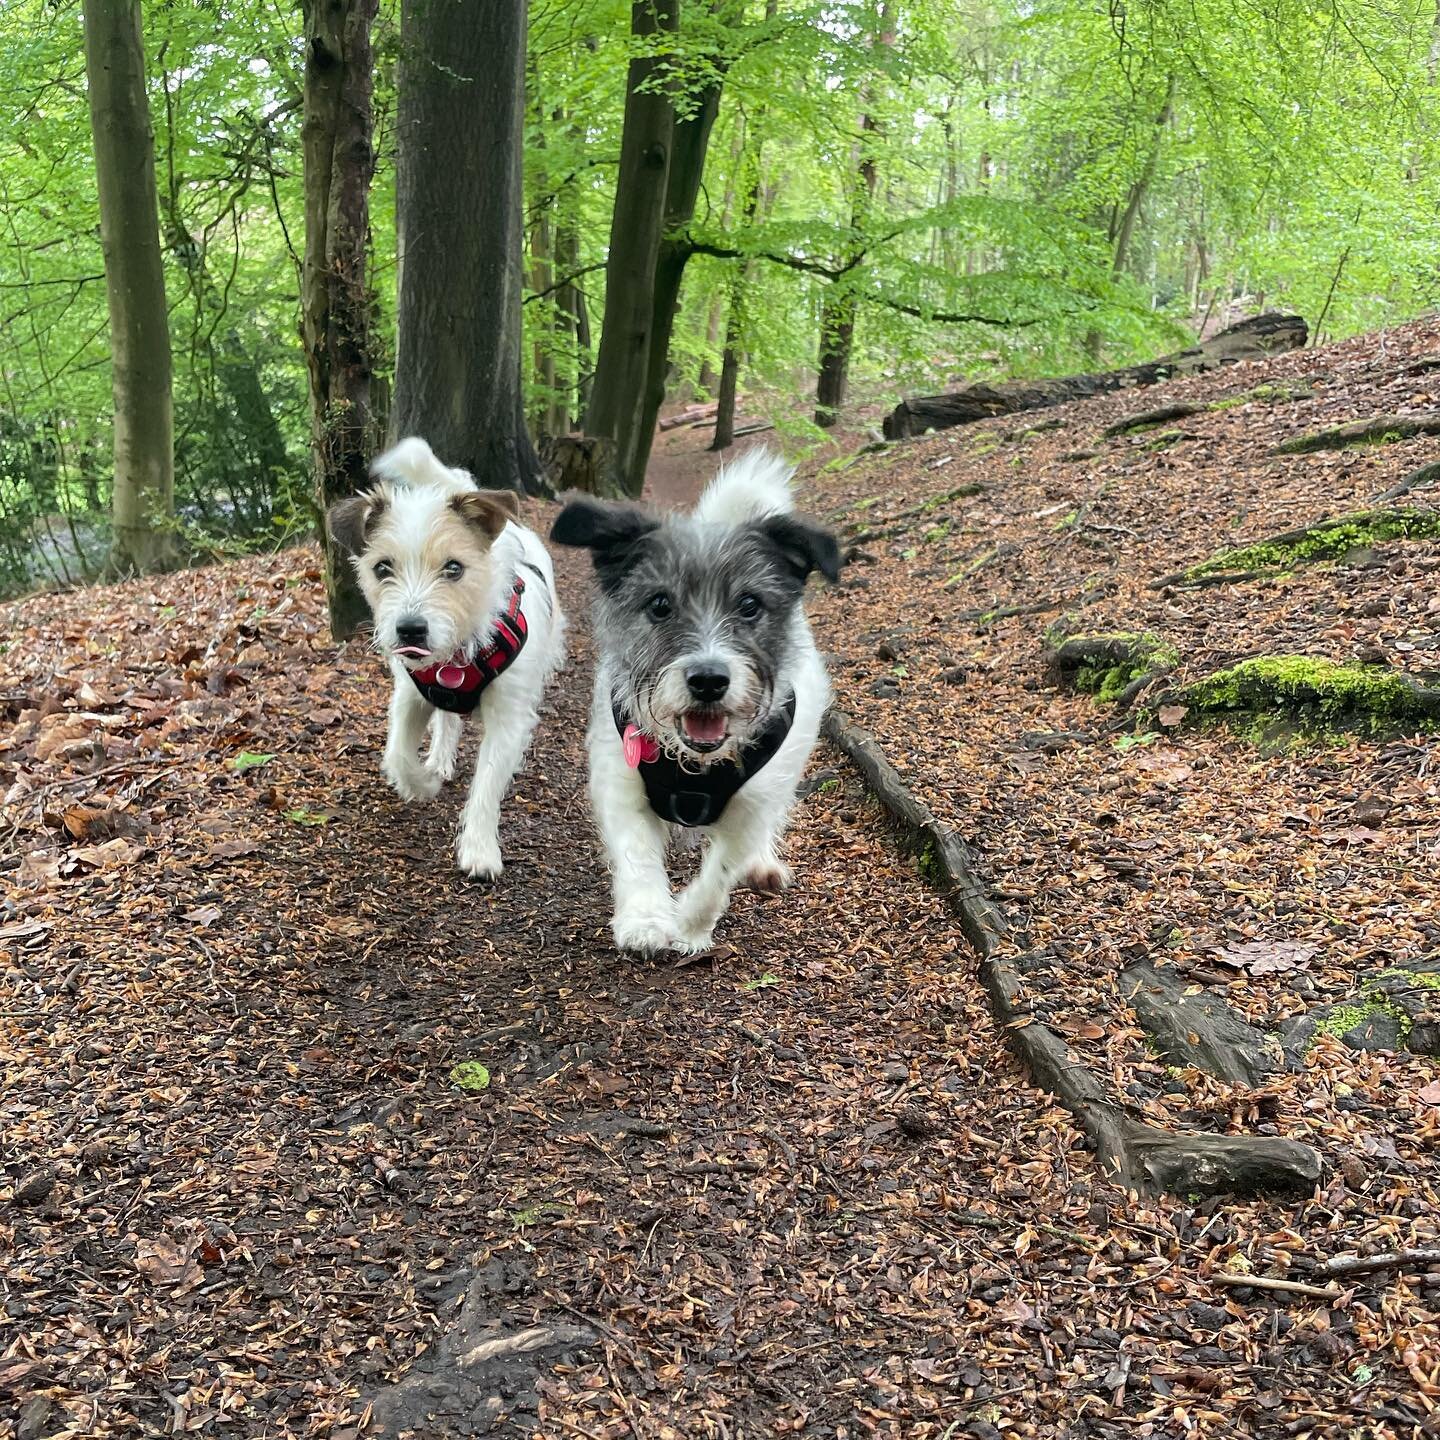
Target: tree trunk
column 144, row 490
column 575, row 315
column 335, row 301
column 837, row 310
column 618, row 396
column 687, row 167
column 460, row 210
column 735, row 323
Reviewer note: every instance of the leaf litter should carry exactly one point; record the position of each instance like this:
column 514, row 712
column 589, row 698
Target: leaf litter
column 843, row 1212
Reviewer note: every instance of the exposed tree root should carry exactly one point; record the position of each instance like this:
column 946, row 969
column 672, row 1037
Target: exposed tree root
column 1379, row 430
column 1425, row 478
column 1109, row 666
column 1307, row 545
column 1130, row 1150
column 1196, row 1030
column 1148, row 419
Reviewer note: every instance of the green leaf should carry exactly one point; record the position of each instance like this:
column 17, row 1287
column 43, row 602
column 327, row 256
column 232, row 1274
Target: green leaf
column 470, row 1075
column 301, row 816
column 249, row 760
column 764, row 982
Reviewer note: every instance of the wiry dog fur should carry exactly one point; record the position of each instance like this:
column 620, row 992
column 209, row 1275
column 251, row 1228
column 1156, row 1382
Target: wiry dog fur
column 682, row 603
column 433, row 550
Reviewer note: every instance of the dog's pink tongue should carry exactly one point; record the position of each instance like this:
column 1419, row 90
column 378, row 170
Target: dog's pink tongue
column 412, row 650
column 706, row 728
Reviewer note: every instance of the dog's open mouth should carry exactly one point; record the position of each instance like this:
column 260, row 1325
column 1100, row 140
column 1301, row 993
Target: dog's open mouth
column 704, row 730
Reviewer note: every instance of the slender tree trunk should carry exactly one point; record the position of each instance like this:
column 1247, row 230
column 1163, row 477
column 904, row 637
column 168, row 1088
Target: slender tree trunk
column 460, row 211
column 618, row 396
column 335, row 300
column 837, row 310
column 144, row 490
column 687, row 168
column 1123, row 229
column 570, row 303
column 735, row 325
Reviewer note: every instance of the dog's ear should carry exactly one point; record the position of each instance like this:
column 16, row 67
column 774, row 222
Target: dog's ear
column 804, row 546
column 350, row 521
column 609, row 532
column 490, row 510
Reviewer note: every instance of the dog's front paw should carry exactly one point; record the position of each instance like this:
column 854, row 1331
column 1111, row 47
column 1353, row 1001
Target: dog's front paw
column 412, row 782
column 441, row 766
column 768, row 877
column 646, row 934
column 693, row 940
column 479, row 855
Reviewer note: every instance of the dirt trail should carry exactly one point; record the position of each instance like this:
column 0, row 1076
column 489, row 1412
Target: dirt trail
column 800, row 1188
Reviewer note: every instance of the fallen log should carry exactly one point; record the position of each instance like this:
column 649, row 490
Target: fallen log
column 1130, row 1150
column 690, row 414
column 1253, row 339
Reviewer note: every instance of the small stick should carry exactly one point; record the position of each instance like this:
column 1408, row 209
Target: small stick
column 1271, row 1282
column 1385, row 1260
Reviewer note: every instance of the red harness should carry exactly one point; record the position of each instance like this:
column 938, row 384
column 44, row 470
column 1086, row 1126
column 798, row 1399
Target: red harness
column 458, row 683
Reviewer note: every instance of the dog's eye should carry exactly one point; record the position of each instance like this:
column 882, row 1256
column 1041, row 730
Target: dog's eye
column 452, row 570
column 750, row 607
column 658, row 607
column 383, row 569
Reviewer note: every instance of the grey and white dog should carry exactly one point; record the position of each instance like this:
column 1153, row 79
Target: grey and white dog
column 709, row 691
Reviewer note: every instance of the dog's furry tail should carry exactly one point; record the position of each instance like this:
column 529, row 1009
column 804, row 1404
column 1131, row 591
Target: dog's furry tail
column 413, row 462
column 750, row 488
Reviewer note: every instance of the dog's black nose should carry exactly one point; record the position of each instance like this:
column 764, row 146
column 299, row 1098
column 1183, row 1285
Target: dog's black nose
column 708, row 683
column 412, row 632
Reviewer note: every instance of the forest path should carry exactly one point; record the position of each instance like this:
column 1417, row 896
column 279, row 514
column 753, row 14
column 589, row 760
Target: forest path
column 773, row 1186
column 798, row 1186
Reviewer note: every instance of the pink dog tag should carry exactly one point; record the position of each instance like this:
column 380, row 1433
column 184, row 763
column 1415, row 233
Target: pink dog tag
column 452, row 677
column 639, row 748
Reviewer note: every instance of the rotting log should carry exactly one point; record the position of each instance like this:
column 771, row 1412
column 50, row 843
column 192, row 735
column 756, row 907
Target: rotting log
column 1129, row 1149
column 1378, row 430
column 1257, row 338
column 1196, row 1031
column 1110, row 666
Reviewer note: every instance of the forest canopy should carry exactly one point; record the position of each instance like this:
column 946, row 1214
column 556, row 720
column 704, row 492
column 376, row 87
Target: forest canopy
column 887, row 194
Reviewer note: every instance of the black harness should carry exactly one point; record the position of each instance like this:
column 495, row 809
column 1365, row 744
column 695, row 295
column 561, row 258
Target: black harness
column 693, row 798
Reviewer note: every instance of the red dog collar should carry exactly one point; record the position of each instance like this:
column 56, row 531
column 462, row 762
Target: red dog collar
column 458, row 683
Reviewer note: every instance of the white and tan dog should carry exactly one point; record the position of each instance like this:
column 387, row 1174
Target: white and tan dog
column 466, row 613
column 709, row 691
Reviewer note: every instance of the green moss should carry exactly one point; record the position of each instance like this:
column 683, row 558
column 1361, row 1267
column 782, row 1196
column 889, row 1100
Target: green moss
column 1134, row 655
column 1344, row 1018
column 1264, row 395
column 985, row 443
column 960, row 492
column 1163, row 439
column 1317, row 698
column 1331, row 540
column 927, row 862
column 827, row 787
column 937, row 532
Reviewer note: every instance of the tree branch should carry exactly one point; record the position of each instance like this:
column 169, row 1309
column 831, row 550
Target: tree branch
column 561, row 284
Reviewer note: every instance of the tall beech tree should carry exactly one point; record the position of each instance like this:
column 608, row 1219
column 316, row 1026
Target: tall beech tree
column 460, row 208
column 335, row 299
column 144, row 491
column 669, row 116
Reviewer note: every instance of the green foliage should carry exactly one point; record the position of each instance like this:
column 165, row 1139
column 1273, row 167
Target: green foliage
column 1032, row 213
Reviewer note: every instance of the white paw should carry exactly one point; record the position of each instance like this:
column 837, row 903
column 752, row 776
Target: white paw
column 479, row 855
column 647, row 934
column 693, row 941
column 768, row 877
column 442, row 767
column 412, row 782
